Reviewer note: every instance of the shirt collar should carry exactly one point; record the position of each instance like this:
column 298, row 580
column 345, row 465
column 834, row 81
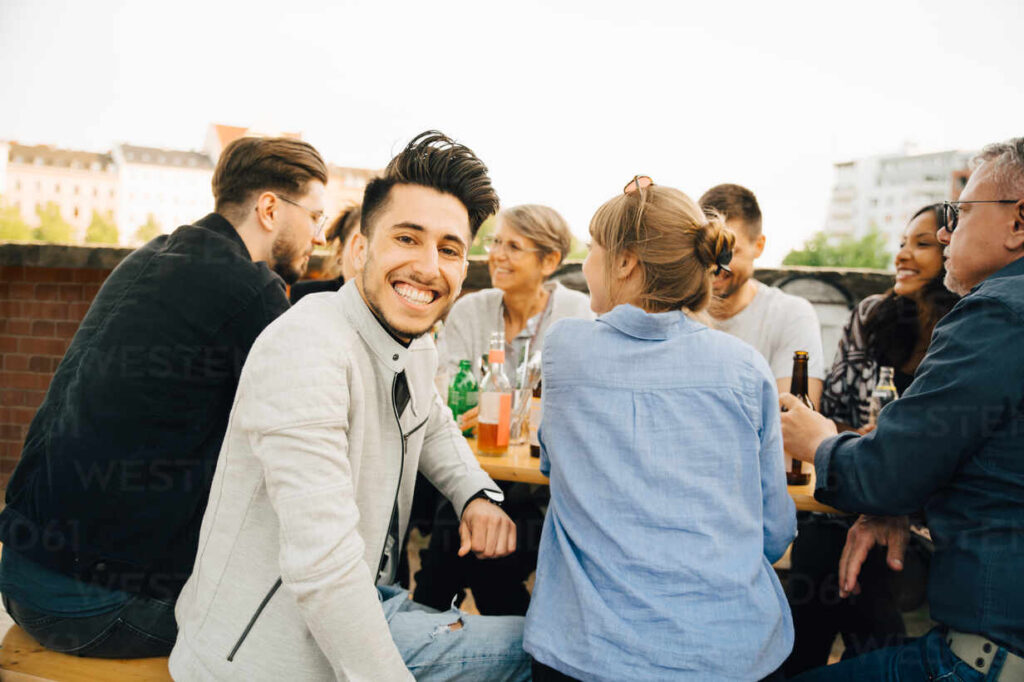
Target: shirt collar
column 635, row 322
column 215, row 222
column 1013, row 269
column 388, row 350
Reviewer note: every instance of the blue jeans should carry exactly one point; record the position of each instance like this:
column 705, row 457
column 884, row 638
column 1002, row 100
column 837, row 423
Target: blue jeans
column 141, row 628
column 484, row 648
column 924, row 658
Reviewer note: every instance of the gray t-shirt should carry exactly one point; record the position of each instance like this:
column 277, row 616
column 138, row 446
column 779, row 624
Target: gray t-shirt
column 777, row 324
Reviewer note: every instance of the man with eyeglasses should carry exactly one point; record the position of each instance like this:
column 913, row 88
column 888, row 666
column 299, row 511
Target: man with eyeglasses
column 103, row 511
column 952, row 446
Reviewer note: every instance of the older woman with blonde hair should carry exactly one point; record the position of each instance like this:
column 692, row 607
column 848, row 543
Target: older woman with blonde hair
column 529, row 244
column 662, row 441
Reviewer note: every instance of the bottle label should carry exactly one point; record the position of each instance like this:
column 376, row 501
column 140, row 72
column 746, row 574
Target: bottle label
column 497, row 356
column 496, row 409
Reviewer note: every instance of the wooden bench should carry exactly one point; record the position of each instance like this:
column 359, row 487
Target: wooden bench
column 22, row 659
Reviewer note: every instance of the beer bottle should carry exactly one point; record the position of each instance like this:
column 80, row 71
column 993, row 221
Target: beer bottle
column 883, row 393
column 463, row 393
column 796, row 472
column 495, row 402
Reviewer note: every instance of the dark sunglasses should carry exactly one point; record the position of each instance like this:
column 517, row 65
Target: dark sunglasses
column 949, row 212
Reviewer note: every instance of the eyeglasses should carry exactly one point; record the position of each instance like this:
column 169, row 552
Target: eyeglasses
column 638, row 183
column 319, row 217
column 514, row 251
column 949, row 214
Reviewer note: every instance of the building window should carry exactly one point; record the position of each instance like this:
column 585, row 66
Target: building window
column 56, row 188
column 95, row 191
column 76, row 190
column 76, row 211
column 17, row 184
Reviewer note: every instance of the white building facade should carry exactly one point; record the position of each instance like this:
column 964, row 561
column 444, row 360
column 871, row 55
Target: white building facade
column 77, row 182
column 131, row 184
column 884, row 191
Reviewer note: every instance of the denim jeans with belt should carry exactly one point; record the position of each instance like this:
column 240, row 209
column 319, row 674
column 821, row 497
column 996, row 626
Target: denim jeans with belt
column 925, row 658
column 141, row 628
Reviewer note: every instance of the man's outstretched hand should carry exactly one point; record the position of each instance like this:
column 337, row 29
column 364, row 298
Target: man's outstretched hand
column 868, row 531
column 486, row 530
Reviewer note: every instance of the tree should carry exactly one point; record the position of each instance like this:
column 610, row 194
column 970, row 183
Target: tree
column 577, row 250
column 148, row 230
column 52, row 226
column 12, row 227
column 484, row 234
column 101, row 230
column 821, row 250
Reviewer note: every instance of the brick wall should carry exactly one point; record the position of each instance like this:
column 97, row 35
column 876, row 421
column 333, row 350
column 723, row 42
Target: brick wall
column 40, row 308
column 45, row 291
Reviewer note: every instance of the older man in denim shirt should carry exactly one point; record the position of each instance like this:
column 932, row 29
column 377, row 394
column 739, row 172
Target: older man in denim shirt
column 952, row 446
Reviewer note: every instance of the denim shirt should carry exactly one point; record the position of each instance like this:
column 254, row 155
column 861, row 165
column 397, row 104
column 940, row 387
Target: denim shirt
column 953, row 445
column 668, row 504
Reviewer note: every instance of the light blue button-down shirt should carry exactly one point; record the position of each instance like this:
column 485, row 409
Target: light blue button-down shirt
column 668, row 504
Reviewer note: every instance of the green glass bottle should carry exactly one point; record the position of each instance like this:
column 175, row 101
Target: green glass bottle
column 463, row 392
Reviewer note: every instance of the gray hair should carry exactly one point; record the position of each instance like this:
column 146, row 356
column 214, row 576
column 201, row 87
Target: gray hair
column 1007, row 162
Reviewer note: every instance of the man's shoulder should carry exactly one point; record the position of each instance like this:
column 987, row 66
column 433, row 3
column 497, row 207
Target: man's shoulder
column 775, row 300
column 1006, row 290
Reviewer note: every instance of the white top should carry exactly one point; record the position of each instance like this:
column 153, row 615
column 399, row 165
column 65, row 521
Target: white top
column 777, row 324
column 467, row 331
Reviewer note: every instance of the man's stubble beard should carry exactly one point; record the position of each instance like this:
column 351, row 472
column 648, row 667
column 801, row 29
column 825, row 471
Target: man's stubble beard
column 282, row 259
column 370, row 297
column 955, row 285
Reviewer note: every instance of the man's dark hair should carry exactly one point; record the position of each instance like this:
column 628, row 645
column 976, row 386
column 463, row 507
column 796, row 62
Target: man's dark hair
column 256, row 164
column 432, row 159
column 735, row 202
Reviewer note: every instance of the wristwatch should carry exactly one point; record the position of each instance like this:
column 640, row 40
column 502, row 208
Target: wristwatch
column 495, row 497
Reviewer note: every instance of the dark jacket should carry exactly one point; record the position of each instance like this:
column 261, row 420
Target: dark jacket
column 953, row 445
column 116, row 468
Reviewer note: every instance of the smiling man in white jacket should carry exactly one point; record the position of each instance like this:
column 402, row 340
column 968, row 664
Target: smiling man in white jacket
column 335, row 412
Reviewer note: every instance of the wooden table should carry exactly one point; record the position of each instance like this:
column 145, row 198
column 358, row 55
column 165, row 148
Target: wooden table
column 517, row 465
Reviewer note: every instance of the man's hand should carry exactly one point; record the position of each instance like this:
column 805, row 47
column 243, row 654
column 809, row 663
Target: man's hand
column 486, row 530
column 803, row 429
column 868, row 531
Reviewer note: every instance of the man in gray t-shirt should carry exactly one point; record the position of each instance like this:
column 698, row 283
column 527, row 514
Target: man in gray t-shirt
column 770, row 320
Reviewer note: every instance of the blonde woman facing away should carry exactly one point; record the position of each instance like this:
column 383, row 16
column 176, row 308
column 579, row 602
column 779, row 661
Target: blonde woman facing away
column 529, row 244
column 662, row 441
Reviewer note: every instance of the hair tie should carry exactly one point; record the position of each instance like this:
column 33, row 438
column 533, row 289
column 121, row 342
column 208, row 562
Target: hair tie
column 724, row 257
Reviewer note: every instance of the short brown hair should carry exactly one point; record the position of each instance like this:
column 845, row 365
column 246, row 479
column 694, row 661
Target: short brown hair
column 735, row 202
column 542, row 225
column 677, row 247
column 256, row 164
column 432, row 159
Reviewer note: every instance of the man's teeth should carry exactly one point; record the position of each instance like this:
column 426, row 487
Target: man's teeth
column 413, row 294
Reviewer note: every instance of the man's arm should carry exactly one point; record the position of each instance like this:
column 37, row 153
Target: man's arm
column 447, row 462
column 294, row 407
column 962, row 392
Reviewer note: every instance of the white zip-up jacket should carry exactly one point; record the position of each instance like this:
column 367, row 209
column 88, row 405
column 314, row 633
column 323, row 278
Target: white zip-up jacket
column 313, row 462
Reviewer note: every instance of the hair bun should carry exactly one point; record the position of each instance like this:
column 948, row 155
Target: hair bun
column 715, row 244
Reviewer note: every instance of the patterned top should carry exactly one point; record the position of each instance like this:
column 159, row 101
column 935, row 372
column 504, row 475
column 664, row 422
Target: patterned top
column 847, row 394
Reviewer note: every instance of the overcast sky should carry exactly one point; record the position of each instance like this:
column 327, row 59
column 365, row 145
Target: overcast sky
column 563, row 100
